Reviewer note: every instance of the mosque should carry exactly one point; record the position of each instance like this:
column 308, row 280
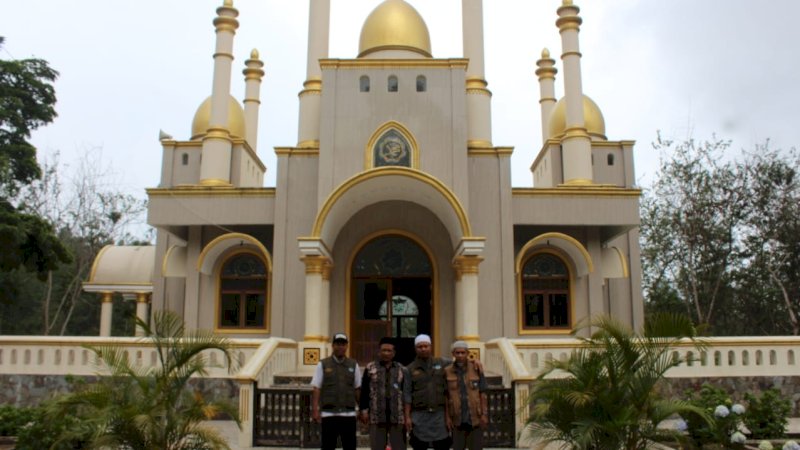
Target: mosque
column 393, row 214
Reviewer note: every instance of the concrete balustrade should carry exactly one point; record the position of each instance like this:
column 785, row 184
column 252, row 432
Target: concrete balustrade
column 525, row 359
column 50, row 355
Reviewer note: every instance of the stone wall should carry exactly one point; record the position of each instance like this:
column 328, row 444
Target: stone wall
column 30, row 390
column 738, row 386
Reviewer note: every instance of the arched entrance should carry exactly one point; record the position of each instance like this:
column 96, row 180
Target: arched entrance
column 392, row 293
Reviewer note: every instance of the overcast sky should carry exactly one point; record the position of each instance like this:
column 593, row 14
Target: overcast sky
column 685, row 67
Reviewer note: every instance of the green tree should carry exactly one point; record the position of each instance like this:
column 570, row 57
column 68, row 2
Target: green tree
column 91, row 213
column 690, row 218
column 27, row 101
column 606, row 395
column 147, row 408
column 770, row 275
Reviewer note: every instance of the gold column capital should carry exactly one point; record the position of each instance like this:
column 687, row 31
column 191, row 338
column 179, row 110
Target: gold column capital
column 327, row 268
column 142, row 297
column 466, row 265
column 107, row 297
column 316, row 264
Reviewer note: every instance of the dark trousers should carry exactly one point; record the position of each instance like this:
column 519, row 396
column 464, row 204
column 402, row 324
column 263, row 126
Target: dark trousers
column 416, row 444
column 338, row 427
column 381, row 433
column 467, row 436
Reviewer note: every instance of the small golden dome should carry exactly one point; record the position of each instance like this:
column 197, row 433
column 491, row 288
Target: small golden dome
column 203, row 116
column 394, row 25
column 592, row 116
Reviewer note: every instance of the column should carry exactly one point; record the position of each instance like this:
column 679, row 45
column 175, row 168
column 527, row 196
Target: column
column 215, row 167
column 546, row 72
column 479, row 114
column 576, row 144
column 142, row 310
column 325, row 299
column 466, row 303
column 315, row 266
column 106, row 311
column 311, row 95
column 253, row 73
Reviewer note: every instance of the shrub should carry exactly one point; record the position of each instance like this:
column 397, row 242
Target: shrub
column 43, row 430
column 766, row 417
column 727, row 418
column 13, row 418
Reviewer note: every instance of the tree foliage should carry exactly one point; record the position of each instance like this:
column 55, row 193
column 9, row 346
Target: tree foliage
column 151, row 408
column 606, row 395
column 91, row 213
column 27, row 101
column 720, row 237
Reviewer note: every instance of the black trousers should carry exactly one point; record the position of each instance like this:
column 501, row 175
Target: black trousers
column 338, row 427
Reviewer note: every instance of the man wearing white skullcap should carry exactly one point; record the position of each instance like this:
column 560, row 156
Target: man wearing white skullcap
column 422, row 338
column 428, row 390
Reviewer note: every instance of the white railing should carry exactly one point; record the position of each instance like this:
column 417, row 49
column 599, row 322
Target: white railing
column 52, row 355
column 720, row 357
column 274, row 356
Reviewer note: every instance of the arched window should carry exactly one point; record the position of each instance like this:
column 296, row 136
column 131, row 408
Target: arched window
column 610, row 159
column 392, row 149
column 363, row 83
column 404, row 316
column 545, row 293
column 243, row 287
column 185, row 159
column 422, row 83
column 392, row 85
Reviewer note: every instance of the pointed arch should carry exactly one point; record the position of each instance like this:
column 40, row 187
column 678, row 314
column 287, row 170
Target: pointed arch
column 403, row 133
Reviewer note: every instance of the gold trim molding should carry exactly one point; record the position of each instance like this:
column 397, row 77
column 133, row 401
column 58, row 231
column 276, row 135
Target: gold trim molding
column 334, row 63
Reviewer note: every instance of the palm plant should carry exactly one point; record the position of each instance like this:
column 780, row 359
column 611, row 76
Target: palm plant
column 148, row 408
column 606, row 395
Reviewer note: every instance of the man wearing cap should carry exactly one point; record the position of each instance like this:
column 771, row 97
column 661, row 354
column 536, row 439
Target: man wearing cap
column 336, row 383
column 428, row 398
column 467, row 406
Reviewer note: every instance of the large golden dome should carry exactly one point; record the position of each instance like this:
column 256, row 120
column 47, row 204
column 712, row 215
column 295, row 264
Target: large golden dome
column 394, row 25
column 592, row 117
column 202, row 118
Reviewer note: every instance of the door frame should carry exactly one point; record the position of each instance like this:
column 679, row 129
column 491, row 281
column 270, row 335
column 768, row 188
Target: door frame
column 348, row 289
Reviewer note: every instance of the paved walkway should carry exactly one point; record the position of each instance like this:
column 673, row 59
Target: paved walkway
column 231, row 432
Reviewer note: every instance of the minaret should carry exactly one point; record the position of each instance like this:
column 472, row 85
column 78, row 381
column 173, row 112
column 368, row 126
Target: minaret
column 479, row 113
column 215, row 168
column 311, row 95
column 576, row 144
column 547, row 90
column 253, row 73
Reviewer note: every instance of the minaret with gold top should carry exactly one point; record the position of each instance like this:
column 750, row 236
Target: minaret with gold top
column 576, row 143
column 479, row 113
column 216, row 163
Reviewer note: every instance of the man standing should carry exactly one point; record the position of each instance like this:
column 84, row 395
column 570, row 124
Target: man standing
column 385, row 403
column 466, row 400
column 336, row 384
column 428, row 398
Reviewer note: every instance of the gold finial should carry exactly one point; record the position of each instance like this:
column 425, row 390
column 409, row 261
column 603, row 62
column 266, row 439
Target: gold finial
column 566, row 3
column 228, row 3
column 545, row 53
column 254, row 54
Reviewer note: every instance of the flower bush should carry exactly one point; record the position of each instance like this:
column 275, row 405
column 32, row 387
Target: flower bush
column 791, row 445
column 765, row 445
column 724, row 429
